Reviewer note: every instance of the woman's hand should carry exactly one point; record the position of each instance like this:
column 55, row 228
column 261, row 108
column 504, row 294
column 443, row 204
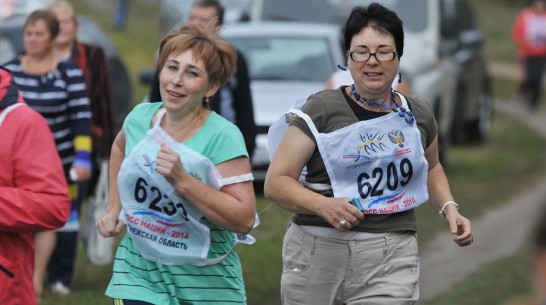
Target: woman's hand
column 459, row 226
column 439, row 193
column 169, row 165
column 80, row 173
column 109, row 225
column 335, row 210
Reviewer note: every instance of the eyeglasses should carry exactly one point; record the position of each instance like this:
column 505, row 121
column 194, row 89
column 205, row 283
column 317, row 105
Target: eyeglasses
column 365, row 56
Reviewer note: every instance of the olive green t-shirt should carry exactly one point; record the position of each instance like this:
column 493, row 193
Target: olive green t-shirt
column 331, row 110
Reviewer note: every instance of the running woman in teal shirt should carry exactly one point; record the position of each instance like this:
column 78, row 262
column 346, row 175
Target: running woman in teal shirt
column 184, row 184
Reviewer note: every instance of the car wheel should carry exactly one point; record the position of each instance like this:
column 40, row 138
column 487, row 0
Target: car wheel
column 457, row 131
column 444, row 138
column 479, row 129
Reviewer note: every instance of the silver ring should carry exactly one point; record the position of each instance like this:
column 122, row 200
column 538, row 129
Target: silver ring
column 343, row 223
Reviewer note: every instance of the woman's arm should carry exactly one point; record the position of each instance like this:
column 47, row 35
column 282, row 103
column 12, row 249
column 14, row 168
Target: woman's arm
column 79, row 112
column 233, row 207
column 440, row 193
column 109, row 225
column 283, row 188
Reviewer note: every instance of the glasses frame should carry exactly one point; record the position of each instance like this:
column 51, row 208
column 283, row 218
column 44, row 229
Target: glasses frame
column 373, row 54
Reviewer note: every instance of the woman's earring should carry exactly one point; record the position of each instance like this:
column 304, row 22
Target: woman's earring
column 399, row 77
column 207, row 100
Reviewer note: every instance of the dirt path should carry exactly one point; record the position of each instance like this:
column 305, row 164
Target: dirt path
column 444, row 264
column 508, row 70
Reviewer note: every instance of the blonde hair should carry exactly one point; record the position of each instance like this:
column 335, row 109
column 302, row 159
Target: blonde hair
column 217, row 54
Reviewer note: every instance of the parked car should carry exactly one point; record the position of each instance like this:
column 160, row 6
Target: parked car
column 11, row 43
column 444, row 57
column 287, row 62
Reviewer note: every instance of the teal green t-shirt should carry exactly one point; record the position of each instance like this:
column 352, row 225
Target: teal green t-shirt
column 219, row 139
column 137, row 278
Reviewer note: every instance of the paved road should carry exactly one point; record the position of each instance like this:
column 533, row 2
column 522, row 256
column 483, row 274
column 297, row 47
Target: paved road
column 444, row 264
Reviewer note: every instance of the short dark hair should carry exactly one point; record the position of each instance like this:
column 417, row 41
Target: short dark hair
column 50, row 19
column 378, row 17
column 212, row 3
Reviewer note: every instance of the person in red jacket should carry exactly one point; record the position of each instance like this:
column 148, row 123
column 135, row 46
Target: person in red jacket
column 33, row 191
column 529, row 34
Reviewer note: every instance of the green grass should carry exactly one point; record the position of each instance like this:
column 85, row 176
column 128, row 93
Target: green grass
column 137, row 42
column 504, row 87
column 496, row 20
column 481, row 176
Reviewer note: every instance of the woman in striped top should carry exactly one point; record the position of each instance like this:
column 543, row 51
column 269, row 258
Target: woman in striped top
column 57, row 91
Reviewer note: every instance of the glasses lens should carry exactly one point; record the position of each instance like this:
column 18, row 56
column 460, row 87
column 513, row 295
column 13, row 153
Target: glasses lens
column 364, row 56
column 384, row 56
column 360, row 56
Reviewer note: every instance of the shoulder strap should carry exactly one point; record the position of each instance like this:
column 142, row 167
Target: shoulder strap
column 307, row 120
column 7, row 111
column 237, row 179
column 160, row 113
column 403, row 98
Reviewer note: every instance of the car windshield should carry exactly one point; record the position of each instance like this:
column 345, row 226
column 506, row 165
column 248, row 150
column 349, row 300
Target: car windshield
column 414, row 16
column 286, row 58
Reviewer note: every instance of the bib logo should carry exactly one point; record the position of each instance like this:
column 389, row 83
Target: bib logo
column 289, row 117
column 371, row 144
column 397, row 137
column 195, row 175
column 149, row 163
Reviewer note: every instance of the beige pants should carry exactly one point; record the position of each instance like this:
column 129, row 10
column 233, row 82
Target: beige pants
column 321, row 271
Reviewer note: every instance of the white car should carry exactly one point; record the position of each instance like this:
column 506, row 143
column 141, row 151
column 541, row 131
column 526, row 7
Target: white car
column 287, row 62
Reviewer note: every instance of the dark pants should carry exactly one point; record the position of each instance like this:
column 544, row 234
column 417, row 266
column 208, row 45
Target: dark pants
column 61, row 264
column 534, row 69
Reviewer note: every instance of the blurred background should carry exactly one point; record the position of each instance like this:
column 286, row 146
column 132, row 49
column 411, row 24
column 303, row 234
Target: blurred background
column 459, row 56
